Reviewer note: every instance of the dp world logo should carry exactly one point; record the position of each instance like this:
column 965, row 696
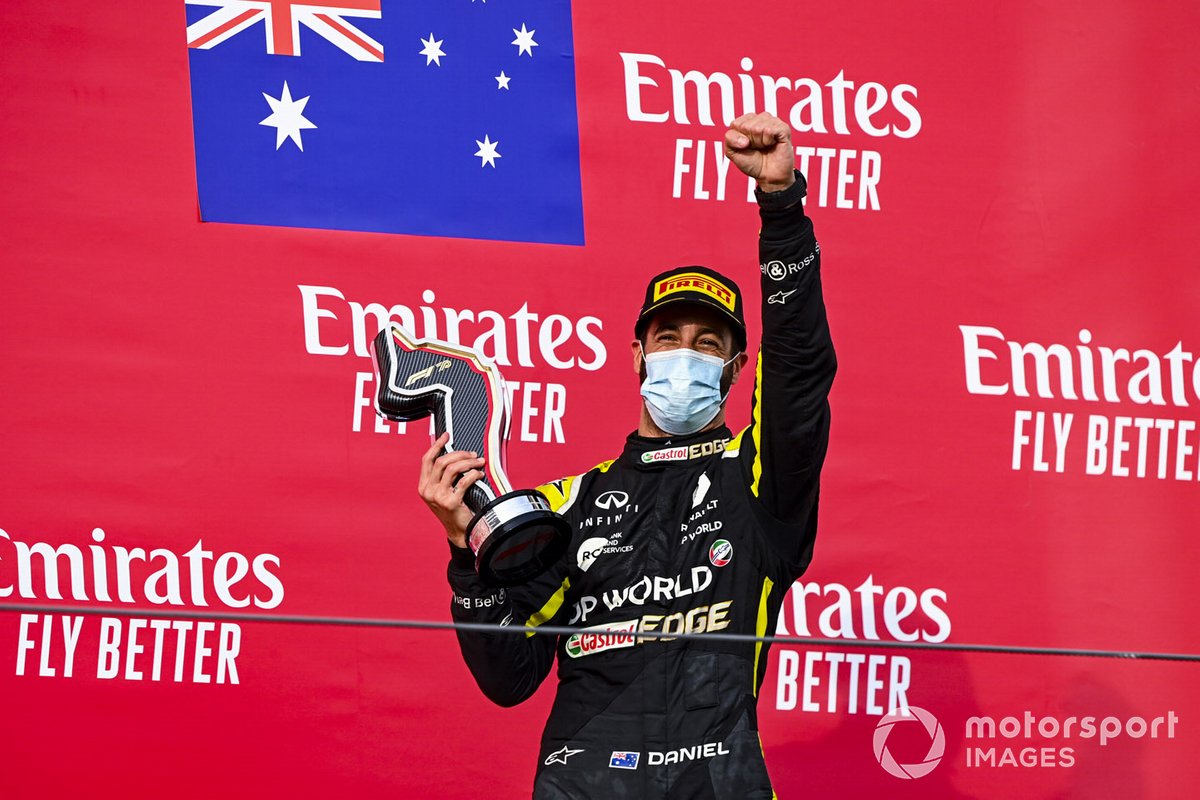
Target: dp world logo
column 937, row 743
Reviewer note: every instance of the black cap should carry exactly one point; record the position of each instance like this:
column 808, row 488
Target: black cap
column 695, row 284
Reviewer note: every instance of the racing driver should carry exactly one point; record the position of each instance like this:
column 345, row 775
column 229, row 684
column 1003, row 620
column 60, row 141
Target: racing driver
column 689, row 530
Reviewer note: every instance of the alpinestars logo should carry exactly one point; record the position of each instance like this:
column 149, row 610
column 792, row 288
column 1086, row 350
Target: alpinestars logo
column 560, row 756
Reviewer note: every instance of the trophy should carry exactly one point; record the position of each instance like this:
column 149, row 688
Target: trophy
column 514, row 534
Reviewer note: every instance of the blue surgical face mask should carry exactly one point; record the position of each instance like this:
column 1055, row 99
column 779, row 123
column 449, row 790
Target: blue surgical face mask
column 682, row 389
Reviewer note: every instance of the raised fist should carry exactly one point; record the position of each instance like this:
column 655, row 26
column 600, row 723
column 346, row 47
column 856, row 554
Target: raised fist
column 760, row 145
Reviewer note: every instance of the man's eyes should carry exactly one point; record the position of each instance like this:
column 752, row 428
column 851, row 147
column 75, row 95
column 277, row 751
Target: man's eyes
column 707, row 343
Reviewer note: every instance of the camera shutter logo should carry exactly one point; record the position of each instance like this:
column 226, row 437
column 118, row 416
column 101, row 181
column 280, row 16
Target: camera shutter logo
column 937, row 744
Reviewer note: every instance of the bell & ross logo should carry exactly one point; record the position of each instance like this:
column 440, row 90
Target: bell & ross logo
column 937, row 743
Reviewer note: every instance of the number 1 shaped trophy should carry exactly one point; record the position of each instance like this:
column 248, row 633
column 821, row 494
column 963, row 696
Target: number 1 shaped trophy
column 514, row 534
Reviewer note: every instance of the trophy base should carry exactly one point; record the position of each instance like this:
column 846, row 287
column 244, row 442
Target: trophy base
column 516, row 537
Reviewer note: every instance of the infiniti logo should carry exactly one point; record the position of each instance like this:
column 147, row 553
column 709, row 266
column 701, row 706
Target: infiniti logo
column 611, row 500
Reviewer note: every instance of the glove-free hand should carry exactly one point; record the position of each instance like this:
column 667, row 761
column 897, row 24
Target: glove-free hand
column 760, row 145
column 443, row 485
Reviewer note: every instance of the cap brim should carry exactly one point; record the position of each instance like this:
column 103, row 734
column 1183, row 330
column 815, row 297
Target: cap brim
column 739, row 331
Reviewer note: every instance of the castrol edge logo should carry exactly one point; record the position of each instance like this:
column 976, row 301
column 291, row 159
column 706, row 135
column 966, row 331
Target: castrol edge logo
column 685, row 452
column 609, row 636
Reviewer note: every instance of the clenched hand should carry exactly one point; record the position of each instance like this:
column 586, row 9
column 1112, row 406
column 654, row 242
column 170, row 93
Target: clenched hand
column 760, row 145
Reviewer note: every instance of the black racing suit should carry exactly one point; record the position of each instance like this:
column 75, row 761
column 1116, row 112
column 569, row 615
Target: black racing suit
column 688, row 534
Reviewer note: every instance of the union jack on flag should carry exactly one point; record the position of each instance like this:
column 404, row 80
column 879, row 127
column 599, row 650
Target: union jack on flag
column 283, row 20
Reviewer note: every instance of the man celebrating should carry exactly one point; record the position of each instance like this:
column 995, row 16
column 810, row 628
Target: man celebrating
column 690, row 530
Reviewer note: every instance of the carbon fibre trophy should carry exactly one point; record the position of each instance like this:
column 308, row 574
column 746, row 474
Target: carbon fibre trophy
column 514, row 534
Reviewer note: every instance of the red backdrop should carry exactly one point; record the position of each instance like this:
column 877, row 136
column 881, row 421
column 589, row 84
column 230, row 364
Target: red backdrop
column 1026, row 180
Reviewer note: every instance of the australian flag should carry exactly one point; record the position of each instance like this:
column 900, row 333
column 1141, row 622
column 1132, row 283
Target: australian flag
column 434, row 117
column 622, row 759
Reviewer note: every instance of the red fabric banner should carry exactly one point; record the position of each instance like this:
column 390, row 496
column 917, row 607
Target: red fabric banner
column 1002, row 197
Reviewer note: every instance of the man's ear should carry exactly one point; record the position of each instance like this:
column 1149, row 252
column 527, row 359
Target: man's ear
column 739, row 362
column 636, row 347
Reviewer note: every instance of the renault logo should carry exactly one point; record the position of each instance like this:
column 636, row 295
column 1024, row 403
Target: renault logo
column 611, row 500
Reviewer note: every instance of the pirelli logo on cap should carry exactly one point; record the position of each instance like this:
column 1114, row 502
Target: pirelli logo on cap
column 695, row 282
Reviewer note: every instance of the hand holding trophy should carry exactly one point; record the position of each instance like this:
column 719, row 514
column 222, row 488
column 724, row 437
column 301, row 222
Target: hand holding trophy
column 513, row 534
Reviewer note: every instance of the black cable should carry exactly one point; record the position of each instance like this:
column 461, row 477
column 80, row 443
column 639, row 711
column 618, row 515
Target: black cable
column 553, row 630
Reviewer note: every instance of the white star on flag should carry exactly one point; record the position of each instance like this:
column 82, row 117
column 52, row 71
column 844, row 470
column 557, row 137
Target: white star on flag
column 502, row 80
column 524, row 41
column 487, row 152
column 287, row 117
column 433, row 51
